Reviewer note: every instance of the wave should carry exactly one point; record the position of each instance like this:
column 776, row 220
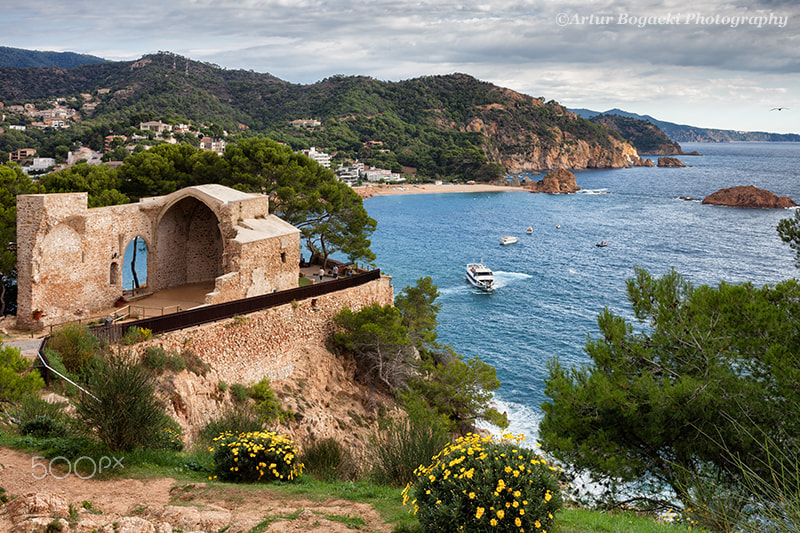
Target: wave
column 594, row 191
column 522, row 420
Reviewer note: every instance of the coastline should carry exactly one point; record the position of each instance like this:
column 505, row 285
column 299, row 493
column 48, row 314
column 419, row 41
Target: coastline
column 430, row 188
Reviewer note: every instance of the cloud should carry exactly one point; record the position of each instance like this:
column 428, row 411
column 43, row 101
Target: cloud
column 603, row 49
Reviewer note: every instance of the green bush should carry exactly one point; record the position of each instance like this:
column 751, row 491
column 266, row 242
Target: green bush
column 43, row 427
column 239, row 393
column 135, row 335
column 76, row 345
column 14, row 383
column 169, row 437
column 34, row 406
column 481, row 484
column 256, row 456
column 400, row 446
column 158, row 359
column 267, row 405
column 194, row 364
column 328, row 460
column 125, row 413
column 235, row 420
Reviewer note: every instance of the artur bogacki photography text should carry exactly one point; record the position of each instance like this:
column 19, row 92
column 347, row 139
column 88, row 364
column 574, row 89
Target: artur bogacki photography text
column 672, row 19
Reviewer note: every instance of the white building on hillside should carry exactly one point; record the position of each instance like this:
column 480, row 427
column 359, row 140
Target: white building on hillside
column 320, row 157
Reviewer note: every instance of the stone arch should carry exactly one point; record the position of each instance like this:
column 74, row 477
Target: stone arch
column 135, row 263
column 188, row 245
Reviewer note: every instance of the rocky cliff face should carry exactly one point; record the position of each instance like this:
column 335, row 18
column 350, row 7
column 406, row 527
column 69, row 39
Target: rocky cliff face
column 748, row 196
column 559, row 182
column 525, row 134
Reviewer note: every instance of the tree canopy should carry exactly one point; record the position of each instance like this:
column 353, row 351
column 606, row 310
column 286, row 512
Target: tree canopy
column 710, row 368
column 395, row 349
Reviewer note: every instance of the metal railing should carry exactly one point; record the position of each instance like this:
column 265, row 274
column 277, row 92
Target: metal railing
column 212, row 313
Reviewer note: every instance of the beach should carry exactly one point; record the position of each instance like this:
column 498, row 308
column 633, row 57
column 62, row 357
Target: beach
column 387, row 189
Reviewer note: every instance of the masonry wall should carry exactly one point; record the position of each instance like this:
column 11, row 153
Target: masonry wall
column 70, row 258
column 267, row 343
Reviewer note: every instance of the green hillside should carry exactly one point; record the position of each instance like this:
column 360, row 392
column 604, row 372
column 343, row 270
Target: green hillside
column 442, row 126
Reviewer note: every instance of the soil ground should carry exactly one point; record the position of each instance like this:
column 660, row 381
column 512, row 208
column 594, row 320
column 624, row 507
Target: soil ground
column 248, row 505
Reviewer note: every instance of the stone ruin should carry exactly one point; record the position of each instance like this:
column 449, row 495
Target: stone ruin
column 70, row 258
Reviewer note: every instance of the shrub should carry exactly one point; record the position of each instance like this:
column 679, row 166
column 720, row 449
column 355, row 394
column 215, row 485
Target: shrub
column 194, row 364
column 14, row 383
column 239, row 393
column 255, row 456
column 135, row 335
column 401, row 446
column 158, row 359
column 169, row 437
column 125, row 412
column 235, row 420
column 43, row 427
column 76, row 345
column 328, row 460
column 478, row 483
column 267, row 405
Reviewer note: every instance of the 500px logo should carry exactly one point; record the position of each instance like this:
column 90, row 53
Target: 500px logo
column 105, row 463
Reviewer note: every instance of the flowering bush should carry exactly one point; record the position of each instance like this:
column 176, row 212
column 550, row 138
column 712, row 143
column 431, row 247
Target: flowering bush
column 481, row 484
column 255, row 456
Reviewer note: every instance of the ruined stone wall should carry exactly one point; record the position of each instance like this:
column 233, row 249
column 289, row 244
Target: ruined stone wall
column 268, row 343
column 70, row 258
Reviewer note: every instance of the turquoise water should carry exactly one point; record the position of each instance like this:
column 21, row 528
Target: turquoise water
column 551, row 285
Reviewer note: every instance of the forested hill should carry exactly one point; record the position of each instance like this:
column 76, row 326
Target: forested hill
column 644, row 135
column 448, row 126
column 21, row 58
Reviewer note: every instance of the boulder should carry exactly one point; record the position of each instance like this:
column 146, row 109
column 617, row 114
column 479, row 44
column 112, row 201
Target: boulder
column 748, row 196
column 670, row 162
column 561, row 181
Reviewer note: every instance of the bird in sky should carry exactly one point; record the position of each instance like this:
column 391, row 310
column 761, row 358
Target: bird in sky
column 778, row 108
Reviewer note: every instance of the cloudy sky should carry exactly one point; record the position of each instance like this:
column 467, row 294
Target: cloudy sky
column 717, row 63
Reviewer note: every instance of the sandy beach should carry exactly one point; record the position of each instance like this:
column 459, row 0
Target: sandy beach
column 429, row 188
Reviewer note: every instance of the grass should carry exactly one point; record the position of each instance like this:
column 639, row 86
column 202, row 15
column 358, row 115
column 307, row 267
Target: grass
column 193, row 467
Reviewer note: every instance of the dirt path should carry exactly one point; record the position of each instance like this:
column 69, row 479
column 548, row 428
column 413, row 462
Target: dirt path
column 193, row 507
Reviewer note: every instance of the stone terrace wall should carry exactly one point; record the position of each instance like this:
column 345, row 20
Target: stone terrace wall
column 268, row 343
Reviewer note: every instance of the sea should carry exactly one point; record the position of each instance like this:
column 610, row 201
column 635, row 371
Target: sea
column 551, row 285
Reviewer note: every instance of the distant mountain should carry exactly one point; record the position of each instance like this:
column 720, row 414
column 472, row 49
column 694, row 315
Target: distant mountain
column 442, row 126
column 645, row 136
column 683, row 133
column 20, row 58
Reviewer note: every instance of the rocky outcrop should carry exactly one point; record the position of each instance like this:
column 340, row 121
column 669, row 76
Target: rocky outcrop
column 670, row 162
column 748, row 196
column 559, row 182
column 640, row 162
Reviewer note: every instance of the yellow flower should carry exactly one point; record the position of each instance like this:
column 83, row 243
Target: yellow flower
column 479, row 512
column 501, row 514
column 493, row 522
column 518, row 522
column 471, row 495
column 537, row 524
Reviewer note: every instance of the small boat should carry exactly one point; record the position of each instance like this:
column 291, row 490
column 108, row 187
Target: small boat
column 601, row 244
column 529, row 231
column 508, row 239
column 478, row 275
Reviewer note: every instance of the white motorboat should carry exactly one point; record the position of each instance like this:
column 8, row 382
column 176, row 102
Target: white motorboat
column 508, row 239
column 480, row 276
column 529, row 231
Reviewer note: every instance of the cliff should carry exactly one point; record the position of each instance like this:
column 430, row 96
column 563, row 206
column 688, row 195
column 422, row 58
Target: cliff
column 750, row 197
